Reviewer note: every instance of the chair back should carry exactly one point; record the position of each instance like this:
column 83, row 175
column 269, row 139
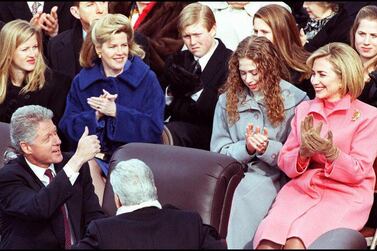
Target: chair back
column 187, row 178
column 4, row 141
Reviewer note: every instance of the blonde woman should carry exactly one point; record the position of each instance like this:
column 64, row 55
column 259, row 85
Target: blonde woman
column 24, row 76
column 251, row 123
column 331, row 176
column 115, row 95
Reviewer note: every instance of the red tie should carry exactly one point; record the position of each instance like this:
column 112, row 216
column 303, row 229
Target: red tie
column 67, row 230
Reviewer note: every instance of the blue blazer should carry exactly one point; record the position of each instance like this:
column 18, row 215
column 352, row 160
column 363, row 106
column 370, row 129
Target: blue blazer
column 139, row 107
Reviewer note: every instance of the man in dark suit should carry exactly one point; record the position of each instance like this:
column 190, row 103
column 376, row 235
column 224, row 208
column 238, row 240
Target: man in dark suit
column 63, row 50
column 141, row 222
column 192, row 91
column 46, row 198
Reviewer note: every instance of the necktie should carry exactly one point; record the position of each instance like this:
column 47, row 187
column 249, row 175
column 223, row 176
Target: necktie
column 34, row 7
column 197, row 69
column 67, row 230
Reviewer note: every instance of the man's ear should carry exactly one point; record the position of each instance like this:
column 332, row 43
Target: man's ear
column 118, row 204
column 75, row 12
column 213, row 31
column 25, row 147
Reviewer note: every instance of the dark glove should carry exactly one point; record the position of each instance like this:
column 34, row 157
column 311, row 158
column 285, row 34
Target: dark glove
column 181, row 81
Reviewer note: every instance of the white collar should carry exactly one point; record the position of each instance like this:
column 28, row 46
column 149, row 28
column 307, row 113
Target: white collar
column 128, row 209
column 204, row 60
column 40, row 171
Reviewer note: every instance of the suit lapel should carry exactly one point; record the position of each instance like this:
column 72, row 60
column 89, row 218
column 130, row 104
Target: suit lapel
column 214, row 65
column 34, row 181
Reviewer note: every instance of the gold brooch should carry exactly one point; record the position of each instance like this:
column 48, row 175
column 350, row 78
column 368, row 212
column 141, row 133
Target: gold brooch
column 356, row 115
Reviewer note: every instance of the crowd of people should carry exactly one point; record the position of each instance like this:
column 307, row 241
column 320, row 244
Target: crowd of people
column 275, row 85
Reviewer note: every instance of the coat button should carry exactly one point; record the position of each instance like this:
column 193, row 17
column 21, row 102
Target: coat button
column 27, row 96
column 273, row 156
column 256, row 115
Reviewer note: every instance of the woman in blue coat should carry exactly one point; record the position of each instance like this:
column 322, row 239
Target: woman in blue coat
column 115, row 95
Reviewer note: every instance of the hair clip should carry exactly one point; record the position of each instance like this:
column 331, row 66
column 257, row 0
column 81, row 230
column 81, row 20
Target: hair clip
column 356, row 115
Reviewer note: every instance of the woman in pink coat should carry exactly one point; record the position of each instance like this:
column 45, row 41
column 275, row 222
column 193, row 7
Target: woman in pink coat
column 328, row 155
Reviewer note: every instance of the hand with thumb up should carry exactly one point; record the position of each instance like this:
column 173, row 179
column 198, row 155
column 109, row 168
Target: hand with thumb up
column 87, row 147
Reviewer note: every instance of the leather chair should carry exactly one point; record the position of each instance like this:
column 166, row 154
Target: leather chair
column 4, row 140
column 187, row 178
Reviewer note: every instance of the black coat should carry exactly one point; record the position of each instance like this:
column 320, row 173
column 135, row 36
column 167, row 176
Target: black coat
column 30, row 213
column 369, row 93
column 63, row 51
column 191, row 121
column 53, row 96
column 213, row 76
column 337, row 29
column 151, row 228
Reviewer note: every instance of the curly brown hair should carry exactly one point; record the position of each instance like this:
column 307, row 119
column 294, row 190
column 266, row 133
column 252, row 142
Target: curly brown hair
column 271, row 70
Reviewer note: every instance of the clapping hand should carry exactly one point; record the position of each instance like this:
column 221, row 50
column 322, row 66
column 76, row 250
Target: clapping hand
column 312, row 142
column 47, row 22
column 181, row 81
column 104, row 104
column 306, row 149
column 324, row 146
column 255, row 140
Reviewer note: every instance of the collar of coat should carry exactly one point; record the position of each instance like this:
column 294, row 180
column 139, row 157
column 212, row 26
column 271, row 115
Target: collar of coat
column 317, row 105
column 292, row 96
column 133, row 74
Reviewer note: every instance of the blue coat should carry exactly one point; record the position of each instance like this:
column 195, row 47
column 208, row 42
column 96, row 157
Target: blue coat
column 139, row 107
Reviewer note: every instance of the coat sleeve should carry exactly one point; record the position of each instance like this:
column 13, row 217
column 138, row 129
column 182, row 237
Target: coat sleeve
column 355, row 166
column 91, row 239
column 75, row 116
column 288, row 155
column 91, row 207
column 221, row 140
column 22, row 201
column 141, row 124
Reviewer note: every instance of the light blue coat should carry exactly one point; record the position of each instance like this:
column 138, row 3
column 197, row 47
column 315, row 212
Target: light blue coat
column 257, row 190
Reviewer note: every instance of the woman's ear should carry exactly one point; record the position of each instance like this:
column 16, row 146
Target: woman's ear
column 98, row 51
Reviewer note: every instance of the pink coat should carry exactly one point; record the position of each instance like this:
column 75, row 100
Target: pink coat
column 326, row 196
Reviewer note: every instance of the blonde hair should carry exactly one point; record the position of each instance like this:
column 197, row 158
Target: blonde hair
column 195, row 13
column 101, row 31
column 368, row 12
column 346, row 63
column 12, row 35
